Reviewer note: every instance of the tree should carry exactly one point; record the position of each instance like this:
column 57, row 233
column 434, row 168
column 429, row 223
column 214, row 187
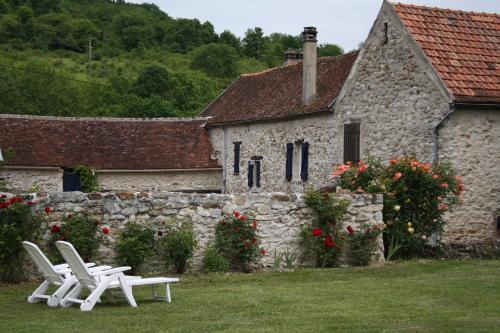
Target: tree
column 185, row 34
column 132, row 30
column 217, row 60
column 228, row 38
column 326, row 50
column 153, row 80
column 252, row 42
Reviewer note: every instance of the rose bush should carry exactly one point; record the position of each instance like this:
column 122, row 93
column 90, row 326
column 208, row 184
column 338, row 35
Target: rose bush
column 84, row 232
column 416, row 197
column 321, row 240
column 362, row 243
column 236, row 239
column 18, row 223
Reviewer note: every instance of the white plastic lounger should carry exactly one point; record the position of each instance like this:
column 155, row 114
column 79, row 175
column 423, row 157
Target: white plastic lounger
column 99, row 281
column 59, row 275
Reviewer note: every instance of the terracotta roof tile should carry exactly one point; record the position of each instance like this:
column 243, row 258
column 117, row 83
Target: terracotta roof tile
column 130, row 144
column 277, row 93
column 463, row 47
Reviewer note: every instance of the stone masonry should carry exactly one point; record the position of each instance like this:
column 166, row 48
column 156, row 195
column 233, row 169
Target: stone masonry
column 279, row 216
column 471, row 140
column 268, row 140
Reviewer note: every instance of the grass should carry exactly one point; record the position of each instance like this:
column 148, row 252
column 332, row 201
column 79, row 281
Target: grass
column 435, row 296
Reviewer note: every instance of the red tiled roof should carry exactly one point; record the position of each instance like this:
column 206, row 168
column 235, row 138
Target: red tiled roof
column 130, row 144
column 277, row 93
column 463, row 48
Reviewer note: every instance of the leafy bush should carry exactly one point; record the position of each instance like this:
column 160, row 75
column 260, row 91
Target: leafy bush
column 362, row 244
column 83, row 231
column 134, row 245
column 17, row 223
column 416, row 196
column 178, row 245
column 213, row 261
column 236, row 239
column 322, row 240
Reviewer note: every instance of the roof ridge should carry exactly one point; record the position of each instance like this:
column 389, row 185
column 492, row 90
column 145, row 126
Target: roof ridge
column 443, row 9
column 320, row 59
column 107, row 119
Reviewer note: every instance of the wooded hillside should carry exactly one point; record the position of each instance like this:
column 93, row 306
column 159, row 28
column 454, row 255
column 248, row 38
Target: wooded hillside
column 141, row 63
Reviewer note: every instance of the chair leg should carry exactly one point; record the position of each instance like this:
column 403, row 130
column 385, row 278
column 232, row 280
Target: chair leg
column 169, row 300
column 127, row 291
column 74, row 293
column 57, row 297
column 95, row 295
column 40, row 291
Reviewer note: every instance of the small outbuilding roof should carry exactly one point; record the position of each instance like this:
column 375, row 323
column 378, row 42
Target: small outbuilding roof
column 276, row 93
column 107, row 143
column 463, row 47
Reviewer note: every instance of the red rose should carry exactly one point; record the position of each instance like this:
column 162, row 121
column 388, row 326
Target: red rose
column 47, row 210
column 55, row 228
column 236, row 214
column 350, row 229
column 254, row 240
column 329, row 241
column 317, row 232
column 105, row 230
column 3, row 205
column 254, row 224
column 30, row 203
column 243, row 217
column 262, row 251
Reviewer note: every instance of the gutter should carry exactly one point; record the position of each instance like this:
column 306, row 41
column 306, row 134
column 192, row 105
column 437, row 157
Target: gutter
column 435, row 134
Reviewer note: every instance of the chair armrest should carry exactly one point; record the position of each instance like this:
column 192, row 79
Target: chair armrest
column 111, row 271
column 89, row 264
column 99, row 268
column 61, row 266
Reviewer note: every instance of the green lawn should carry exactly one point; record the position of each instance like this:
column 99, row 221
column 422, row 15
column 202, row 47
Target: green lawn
column 438, row 296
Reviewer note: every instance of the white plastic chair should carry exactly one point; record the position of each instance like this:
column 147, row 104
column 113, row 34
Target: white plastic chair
column 99, row 281
column 58, row 275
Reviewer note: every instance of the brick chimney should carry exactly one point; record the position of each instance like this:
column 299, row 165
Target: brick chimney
column 291, row 57
column 309, row 65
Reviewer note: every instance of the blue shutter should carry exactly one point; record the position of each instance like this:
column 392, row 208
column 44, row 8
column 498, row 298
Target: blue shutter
column 304, row 165
column 236, row 165
column 250, row 174
column 257, row 173
column 289, row 161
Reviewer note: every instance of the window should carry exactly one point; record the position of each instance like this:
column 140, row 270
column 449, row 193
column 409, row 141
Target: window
column 236, row 164
column 71, row 181
column 297, row 158
column 254, row 173
column 351, row 142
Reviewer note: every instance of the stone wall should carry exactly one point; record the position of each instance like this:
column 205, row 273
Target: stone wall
column 268, row 140
column 188, row 181
column 35, row 179
column 280, row 216
column 393, row 93
column 470, row 139
column 48, row 180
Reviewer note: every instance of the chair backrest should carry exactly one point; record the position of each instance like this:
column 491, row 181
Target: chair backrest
column 76, row 263
column 42, row 263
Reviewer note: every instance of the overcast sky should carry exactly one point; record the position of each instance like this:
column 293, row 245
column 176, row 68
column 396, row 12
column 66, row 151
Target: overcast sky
column 343, row 22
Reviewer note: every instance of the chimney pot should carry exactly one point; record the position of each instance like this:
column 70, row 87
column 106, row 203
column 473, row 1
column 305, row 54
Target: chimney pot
column 291, row 56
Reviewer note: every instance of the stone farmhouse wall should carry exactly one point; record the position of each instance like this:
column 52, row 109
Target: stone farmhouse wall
column 268, row 140
column 471, row 140
column 393, row 93
column 27, row 180
column 187, row 181
column 51, row 179
column 280, row 216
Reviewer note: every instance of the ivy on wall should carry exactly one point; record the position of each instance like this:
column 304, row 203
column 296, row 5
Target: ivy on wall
column 88, row 178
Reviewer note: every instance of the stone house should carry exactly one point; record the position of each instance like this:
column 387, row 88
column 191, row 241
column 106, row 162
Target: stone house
column 127, row 154
column 427, row 82
column 273, row 130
